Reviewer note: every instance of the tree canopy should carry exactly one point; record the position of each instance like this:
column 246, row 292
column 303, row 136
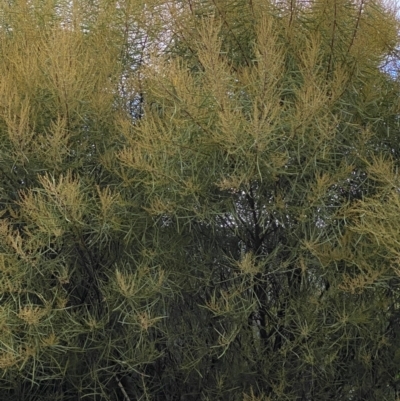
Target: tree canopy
column 199, row 200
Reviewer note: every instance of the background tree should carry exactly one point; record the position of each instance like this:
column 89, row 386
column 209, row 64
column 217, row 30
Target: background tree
column 216, row 222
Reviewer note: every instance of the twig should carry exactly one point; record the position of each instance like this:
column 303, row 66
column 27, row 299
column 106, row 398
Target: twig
column 122, row 388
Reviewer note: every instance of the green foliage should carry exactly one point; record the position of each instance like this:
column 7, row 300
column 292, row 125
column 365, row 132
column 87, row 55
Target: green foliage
column 199, row 201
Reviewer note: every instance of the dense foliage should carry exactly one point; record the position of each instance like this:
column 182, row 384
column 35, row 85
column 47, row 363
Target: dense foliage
column 199, row 200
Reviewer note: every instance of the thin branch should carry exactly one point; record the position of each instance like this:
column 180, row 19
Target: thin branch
column 121, row 387
column 232, row 33
column 332, row 40
column 357, row 26
column 291, row 12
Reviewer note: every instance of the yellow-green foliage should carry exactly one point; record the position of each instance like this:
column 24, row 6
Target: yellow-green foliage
column 199, row 200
